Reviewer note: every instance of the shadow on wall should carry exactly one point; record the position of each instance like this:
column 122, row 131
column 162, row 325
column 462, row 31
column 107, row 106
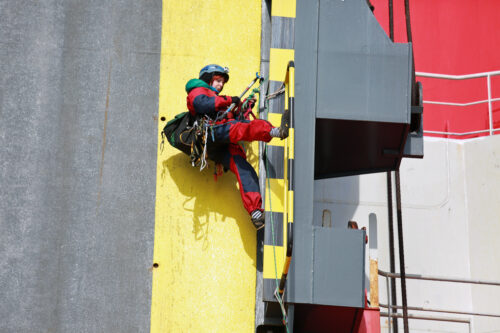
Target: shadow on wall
column 210, row 202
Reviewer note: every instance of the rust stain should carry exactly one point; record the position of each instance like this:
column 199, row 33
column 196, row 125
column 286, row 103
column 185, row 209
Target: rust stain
column 103, row 149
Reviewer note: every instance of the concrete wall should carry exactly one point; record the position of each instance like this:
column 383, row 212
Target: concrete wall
column 78, row 106
column 450, row 220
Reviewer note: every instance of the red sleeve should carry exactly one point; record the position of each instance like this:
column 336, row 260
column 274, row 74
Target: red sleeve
column 222, row 102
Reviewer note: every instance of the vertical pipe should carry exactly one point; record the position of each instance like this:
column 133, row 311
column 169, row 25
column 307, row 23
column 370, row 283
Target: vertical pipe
column 390, row 209
column 391, row 21
column 401, row 253
column 389, row 309
column 408, row 22
column 393, row 299
column 490, row 113
column 391, row 246
column 410, row 40
column 265, row 45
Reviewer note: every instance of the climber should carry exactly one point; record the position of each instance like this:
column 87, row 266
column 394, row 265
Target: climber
column 203, row 101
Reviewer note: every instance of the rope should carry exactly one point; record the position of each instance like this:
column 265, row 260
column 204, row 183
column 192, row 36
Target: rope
column 204, row 155
column 278, row 92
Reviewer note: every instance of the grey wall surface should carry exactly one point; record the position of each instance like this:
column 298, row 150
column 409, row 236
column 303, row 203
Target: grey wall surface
column 362, row 74
column 78, row 139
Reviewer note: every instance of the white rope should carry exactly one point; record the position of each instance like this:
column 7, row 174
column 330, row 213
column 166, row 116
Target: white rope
column 204, row 156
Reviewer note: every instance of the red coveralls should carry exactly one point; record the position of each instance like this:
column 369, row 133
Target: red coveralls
column 204, row 101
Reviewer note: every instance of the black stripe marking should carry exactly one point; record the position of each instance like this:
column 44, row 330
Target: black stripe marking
column 278, row 229
column 275, row 159
column 283, row 29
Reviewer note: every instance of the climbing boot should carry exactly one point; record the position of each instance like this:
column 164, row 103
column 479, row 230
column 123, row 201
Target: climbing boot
column 285, row 125
column 258, row 223
column 258, row 219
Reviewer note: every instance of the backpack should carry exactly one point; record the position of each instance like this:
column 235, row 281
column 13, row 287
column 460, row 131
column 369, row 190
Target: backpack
column 181, row 133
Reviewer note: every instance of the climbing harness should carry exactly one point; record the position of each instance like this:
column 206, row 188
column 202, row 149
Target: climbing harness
column 203, row 128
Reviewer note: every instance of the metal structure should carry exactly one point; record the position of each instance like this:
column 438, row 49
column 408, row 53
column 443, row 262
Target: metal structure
column 352, row 84
column 390, row 307
column 490, row 100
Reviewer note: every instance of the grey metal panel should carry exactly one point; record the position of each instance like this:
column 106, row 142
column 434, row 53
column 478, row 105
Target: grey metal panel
column 275, row 156
column 414, row 146
column 362, row 75
column 277, row 104
column 265, row 45
column 300, row 275
column 283, row 32
column 339, row 258
column 277, row 225
column 79, row 93
column 327, row 264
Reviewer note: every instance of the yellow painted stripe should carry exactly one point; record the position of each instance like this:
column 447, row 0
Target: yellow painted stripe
column 276, row 197
column 275, row 120
column 276, row 142
column 290, row 206
column 270, row 271
column 291, row 82
column 278, row 61
column 291, row 143
column 285, row 8
column 286, row 92
column 205, row 244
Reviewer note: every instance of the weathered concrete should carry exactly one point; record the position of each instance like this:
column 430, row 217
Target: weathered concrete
column 78, row 138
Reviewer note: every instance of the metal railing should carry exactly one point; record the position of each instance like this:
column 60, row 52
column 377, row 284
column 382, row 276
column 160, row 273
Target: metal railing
column 390, row 314
column 490, row 100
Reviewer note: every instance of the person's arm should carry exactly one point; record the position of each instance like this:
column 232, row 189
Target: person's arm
column 223, row 102
column 205, row 104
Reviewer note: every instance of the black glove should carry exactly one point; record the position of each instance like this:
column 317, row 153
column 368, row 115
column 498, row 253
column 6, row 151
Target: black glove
column 235, row 100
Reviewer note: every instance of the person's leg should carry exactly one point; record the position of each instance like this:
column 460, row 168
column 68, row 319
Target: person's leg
column 243, row 130
column 235, row 160
column 234, row 131
column 257, row 129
